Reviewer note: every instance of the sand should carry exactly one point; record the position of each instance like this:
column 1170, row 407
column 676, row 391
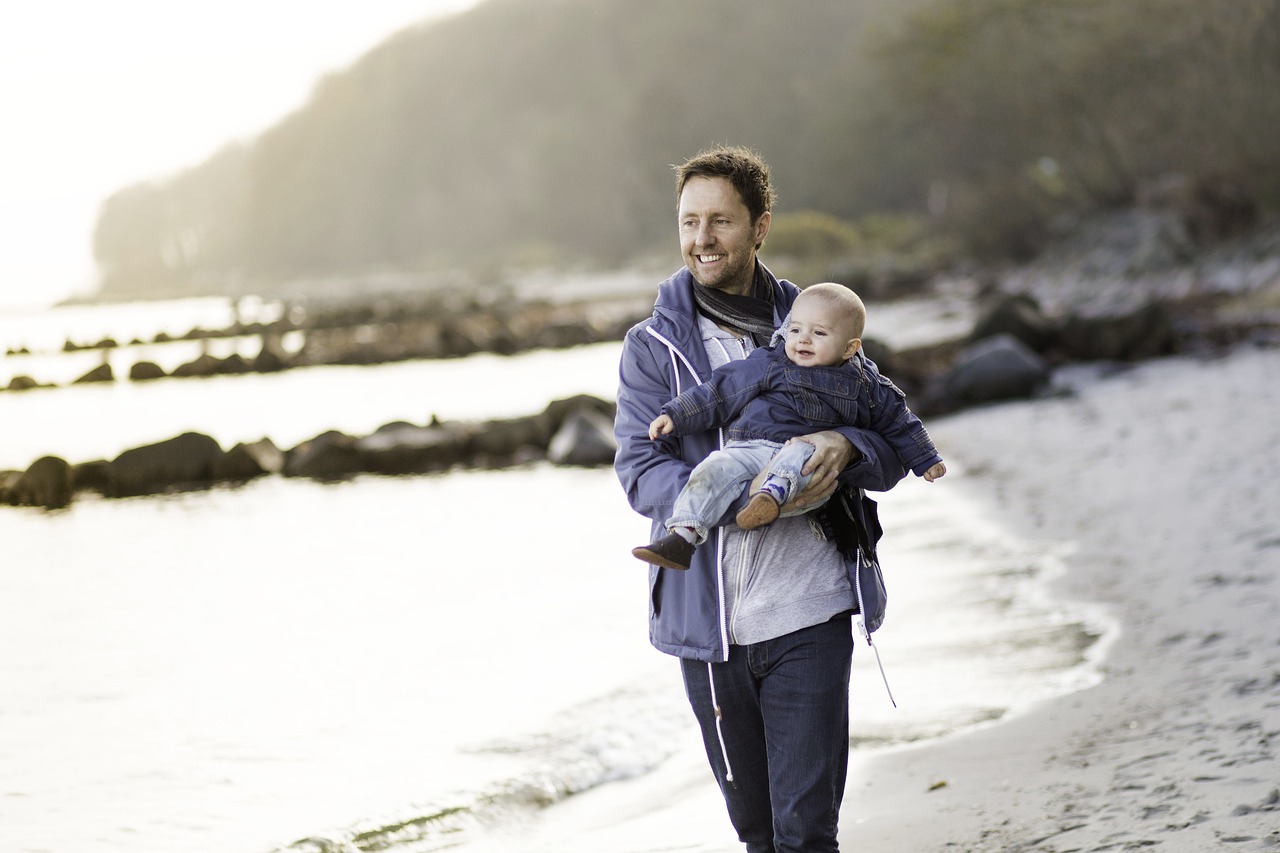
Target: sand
column 1165, row 481
column 1161, row 484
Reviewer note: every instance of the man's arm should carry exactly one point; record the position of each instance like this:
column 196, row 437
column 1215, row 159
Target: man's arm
column 651, row 472
column 854, row 457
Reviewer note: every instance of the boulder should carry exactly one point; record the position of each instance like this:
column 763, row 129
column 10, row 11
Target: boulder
column 246, row 461
column 585, row 438
column 271, row 358
column 1016, row 314
column 1118, row 333
column 332, row 455
column 235, row 364
column 146, row 370
column 186, row 460
column 995, row 368
column 22, row 383
column 101, row 373
column 402, row 448
column 93, row 476
column 502, row 438
column 203, row 365
column 47, row 483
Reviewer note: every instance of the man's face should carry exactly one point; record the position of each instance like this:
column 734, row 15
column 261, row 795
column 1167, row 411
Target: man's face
column 717, row 237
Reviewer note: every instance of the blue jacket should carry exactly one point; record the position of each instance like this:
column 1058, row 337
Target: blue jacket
column 766, row 395
column 661, row 357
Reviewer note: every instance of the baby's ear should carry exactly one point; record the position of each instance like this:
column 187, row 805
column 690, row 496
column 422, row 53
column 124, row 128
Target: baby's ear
column 852, row 348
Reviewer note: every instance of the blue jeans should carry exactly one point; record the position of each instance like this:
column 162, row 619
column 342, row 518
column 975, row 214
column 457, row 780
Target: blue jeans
column 718, row 480
column 783, row 734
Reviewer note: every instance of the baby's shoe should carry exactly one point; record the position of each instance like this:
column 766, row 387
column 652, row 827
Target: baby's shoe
column 672, row 551
column 762, row 509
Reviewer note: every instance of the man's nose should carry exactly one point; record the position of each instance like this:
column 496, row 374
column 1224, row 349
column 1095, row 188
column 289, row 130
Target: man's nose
column 705, row 237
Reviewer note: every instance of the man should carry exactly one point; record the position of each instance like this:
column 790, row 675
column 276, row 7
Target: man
column 762, row 621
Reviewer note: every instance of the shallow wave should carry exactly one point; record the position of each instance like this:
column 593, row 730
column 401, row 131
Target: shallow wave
column 616, row 737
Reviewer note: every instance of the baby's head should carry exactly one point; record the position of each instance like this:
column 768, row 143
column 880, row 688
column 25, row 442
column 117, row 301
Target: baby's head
column 826, row 325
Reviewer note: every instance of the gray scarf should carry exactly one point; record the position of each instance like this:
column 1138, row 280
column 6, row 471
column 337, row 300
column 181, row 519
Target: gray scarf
column 751, row 314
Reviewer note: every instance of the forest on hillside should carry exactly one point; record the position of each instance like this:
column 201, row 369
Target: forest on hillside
column 543, row 131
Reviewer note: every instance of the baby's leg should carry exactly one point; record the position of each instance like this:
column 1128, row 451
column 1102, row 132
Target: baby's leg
column 783, row 481
column 783, row 475
column 715, row 483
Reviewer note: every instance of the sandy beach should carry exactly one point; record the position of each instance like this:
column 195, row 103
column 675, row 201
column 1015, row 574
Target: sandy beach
column 1164, row 482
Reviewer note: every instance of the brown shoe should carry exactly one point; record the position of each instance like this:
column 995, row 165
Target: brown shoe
column 672, row 551
column 762, row 509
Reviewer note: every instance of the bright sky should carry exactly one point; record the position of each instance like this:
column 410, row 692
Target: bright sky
column 97, row 95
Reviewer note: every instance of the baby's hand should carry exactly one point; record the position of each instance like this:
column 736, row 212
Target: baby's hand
column 662, row 425
column 935, row 472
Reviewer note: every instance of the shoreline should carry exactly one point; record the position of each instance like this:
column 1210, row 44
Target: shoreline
column 1163, row 476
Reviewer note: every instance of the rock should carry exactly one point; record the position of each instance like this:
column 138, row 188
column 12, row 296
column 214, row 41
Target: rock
column 46, row 483
column 22, row 383
column 1016, row 314
column 402, row 448
column 995, row 368
column 1119, row 333
column 203, row 365
column 186, row 460
column 332, row 455
column 235, row 364
column 246, row 461
column 101, row 373
column 8, row 479
column 501, row 438
column 271, row 358
column 585, row 438
column 146, row 370
column 93, row 476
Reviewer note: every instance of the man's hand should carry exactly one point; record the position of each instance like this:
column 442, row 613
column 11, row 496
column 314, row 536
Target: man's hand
column 832, row 453
column 935, row 472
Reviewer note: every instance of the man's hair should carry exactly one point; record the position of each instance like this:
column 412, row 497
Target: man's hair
column 742, row 167
column 843, row 300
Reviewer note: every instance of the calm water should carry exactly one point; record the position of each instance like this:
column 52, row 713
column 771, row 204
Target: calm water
column 424, row 663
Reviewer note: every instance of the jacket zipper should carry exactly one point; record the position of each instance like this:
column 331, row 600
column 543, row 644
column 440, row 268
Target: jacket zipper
column 720, row 570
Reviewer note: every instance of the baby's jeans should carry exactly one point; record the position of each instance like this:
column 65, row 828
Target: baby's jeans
column 719, row 479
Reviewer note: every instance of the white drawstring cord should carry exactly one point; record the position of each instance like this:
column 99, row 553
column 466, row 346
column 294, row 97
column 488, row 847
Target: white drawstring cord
column 715, row 704
column 860, row 621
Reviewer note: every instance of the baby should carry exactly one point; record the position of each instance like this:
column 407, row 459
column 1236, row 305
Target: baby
column 818, row 380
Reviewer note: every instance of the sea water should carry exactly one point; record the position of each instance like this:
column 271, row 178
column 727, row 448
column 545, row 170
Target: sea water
column 453, row 661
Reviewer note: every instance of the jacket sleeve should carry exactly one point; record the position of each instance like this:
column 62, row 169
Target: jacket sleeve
column 721, row 398
column 877, row 467
column 894, row 420
column 651, row 472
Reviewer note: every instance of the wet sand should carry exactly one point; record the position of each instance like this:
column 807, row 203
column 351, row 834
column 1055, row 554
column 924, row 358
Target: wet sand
column 1165, row 482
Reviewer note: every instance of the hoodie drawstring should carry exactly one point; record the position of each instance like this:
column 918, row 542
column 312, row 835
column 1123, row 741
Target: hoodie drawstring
column 715, row 705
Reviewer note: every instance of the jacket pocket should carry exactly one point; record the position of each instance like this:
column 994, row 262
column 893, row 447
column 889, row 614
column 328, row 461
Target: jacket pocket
column 826, row 398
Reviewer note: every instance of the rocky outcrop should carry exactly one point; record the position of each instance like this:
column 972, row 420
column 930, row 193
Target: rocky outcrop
column 101, row 373
column 574, row 431
column 995, row 368
column 585, row 438
column 47, row 483
column 187, row 460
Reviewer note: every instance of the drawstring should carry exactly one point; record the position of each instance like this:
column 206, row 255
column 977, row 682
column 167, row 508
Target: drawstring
column 715, row 704
column 860, row 621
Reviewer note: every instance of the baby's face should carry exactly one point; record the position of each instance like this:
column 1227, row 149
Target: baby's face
column 818, row 336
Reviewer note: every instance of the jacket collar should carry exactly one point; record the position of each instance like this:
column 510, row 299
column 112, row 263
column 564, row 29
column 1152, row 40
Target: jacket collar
column 676, row 307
